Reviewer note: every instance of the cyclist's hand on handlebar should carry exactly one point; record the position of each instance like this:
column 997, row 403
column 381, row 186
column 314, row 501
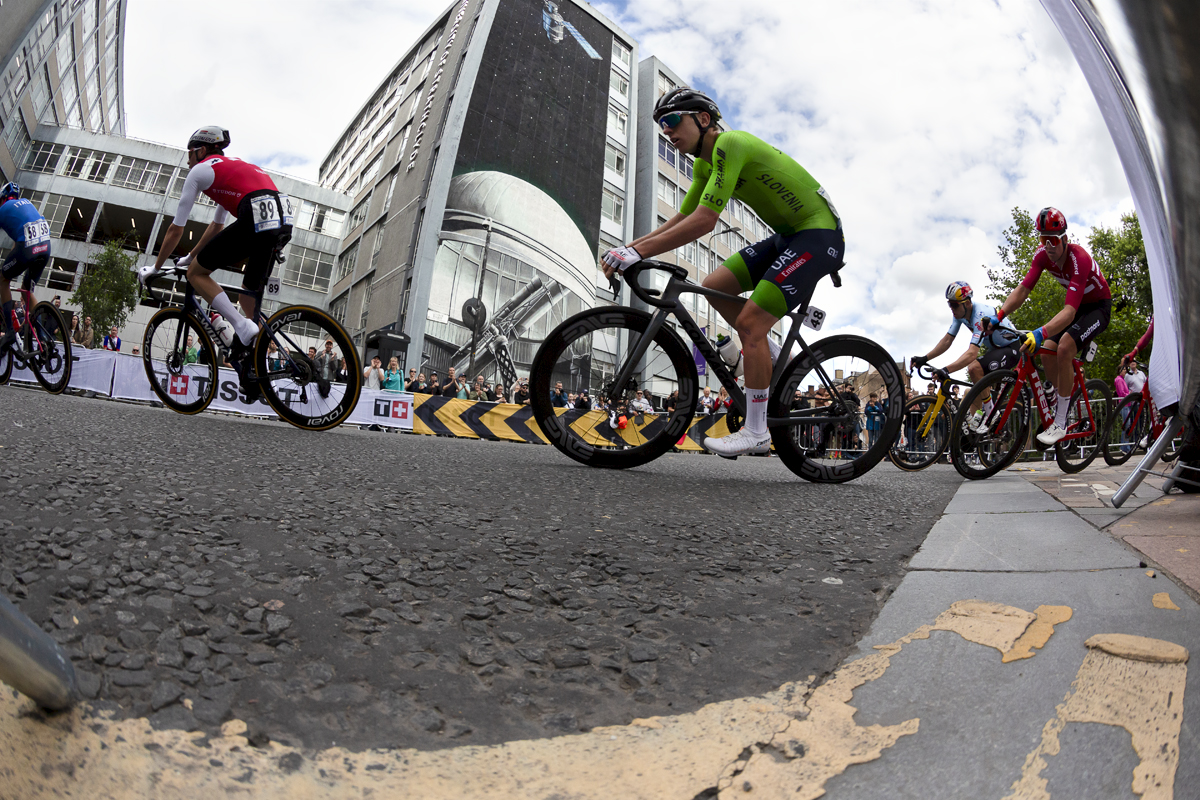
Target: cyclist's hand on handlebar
column 619, row 259
column 940, row 374
column 1033, row 340
column 918, row 361
column 146, row 273
column 990, row 322
column 183, row 261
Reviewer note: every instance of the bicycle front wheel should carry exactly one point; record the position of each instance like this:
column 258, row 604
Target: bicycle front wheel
column 1129, row 424
column 834, row 443
column 923, row 436
column 585, row 353
column 292, row 383
column 981, row 454
column 51, row 348
column 1089, row 416
column 180, row 361
column 6, row 365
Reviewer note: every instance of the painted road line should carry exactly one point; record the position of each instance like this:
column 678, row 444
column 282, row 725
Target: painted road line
column 1131, row 682
column 751, row 747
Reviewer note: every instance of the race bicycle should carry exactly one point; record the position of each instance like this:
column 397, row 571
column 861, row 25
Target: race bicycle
column 42, row 344
column 1005, row 429
column 183, row 353
column 617, row 350
column 928, row 423
column 1134, row 424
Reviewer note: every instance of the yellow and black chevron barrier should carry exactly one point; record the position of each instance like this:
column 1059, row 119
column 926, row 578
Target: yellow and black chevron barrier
column 475, row 419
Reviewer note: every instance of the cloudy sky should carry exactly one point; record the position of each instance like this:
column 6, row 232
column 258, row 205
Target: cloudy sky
column 927, row 120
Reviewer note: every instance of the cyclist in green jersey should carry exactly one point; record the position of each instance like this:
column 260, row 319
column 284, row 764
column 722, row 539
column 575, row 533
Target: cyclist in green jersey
column 781, row 272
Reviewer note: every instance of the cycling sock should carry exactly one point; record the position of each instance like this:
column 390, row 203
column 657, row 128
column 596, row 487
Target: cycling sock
column 1060, row 413
column 756, row 410
column 244, row 328
column 8, row 312
column 987, row 407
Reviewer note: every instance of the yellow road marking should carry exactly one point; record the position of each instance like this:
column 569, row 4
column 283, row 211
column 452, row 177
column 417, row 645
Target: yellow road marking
column 1038, row 633
column 1163, row 600
column 1130, row 682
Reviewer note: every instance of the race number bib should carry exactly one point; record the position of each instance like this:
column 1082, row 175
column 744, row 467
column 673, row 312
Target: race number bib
column 815, row 318
column 267, row 212
column 37, row 232
column 289, row 209
column 273, row 286
column 825, row 195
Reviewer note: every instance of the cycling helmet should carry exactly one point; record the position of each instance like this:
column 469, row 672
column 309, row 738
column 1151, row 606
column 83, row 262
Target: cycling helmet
column 1051, row 222
column 212, row 136
column 10, row 192
column 685, row 99
column 959, row 292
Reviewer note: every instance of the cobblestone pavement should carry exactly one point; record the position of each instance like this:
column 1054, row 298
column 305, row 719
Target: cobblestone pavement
column 381, row 590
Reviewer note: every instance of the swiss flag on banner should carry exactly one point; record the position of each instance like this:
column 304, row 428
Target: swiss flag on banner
column 178, row 385
column 400, row 409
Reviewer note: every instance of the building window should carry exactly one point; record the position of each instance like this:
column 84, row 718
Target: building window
column 612, row 207
column 667, row 191
column 685, row 165
column 618, row 122
column 621, row 53
column 366, row 302
column 360, row 212
column 412, row 110
column 665, row 84
column 403, row 142
column 91, row 165
column 378, row 243
column 346, row 262
column 307, row 269
column 148, row 176
column 43, row 156
column 337, row 309
column 372, row 169
column 387, row 200
column 688, row 252
column 57, row 207
column 618, row 83
column 614, row 159
column 667, row 152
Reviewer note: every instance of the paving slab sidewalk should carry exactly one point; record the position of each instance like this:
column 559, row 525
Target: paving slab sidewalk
column 1003, row 718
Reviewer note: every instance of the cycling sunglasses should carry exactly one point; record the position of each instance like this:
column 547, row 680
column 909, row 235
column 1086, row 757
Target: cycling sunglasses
column 1055, row 238
column 673, row 119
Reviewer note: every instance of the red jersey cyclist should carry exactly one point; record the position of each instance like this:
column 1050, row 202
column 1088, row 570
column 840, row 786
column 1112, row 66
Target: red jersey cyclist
column 262, row 226
column 1085, row 315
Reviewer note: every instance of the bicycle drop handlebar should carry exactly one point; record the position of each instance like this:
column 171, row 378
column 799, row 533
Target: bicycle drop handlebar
column 651, row 297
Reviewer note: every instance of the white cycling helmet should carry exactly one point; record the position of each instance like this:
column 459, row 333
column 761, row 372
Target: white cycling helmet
column 213, row 136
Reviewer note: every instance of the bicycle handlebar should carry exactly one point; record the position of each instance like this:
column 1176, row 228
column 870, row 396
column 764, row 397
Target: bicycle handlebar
column 647, row 295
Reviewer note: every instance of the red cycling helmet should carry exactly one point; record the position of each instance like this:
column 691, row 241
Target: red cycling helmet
column 1051, row 222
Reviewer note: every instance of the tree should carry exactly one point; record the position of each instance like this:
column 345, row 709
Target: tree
column 109, row 289
column 1119, row 253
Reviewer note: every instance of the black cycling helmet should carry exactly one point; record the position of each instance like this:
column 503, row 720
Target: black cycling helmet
column 10, row 192
column 213, row 137
column 685, row 99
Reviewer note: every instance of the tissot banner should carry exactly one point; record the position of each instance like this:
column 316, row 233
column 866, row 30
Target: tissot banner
column 91, row 370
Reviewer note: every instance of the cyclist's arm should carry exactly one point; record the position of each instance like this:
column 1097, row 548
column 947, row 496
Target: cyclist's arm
column 1015, row 299
column 969, row 355
column 170, row 242
column 941, row 347
column 1060, row 321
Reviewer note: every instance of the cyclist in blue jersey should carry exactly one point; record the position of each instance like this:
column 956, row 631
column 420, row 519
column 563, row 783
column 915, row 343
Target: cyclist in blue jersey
column 1002, row 342
column 30, row 233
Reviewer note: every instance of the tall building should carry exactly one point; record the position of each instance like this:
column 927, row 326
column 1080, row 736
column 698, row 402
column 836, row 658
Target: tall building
column 494, row 161
column 63, row 142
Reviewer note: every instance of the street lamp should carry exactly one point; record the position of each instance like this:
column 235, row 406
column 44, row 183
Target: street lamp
column 727, row 229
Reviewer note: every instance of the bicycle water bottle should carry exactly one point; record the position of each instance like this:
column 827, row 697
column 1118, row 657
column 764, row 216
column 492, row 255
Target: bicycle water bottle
column 730, row 352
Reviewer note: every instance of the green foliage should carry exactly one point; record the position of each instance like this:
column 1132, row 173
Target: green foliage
column 109, row 290
column 1121, row 256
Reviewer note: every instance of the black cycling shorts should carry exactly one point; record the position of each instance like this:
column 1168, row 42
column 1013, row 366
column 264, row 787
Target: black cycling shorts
column 30, row 260
column 237, row 245
column 1000, row 358
column 783, row 270
column 1091, row 320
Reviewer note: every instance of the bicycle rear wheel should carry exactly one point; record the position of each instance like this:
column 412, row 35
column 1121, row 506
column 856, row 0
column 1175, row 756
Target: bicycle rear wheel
column 1129, row 423
column 1075, row 454
column 296, row 390
column 831, row 444
column 51, row 348
column 924, row 439
column 585, row 353
column 6, row 365
column 981, row 455
column 180, row 361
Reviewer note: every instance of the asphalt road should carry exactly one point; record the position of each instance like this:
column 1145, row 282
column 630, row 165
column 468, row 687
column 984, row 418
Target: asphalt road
column 383, row 590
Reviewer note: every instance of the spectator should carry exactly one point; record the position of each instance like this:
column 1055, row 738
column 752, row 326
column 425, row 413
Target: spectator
column 516, row 387
column 491, row 393
column 583, row 402
column 478, row 390
column 1120, row 387
column 708, row 403
column 343, row 373
column 499, row 392
column 558, row 398
column 274, row 359
column 1135, row 379
column 419, row 386
column 312, row 354
column 192, row 355
column 874, row 412
column 412, row 378
column 800, row 402
column 76, row 329
column 112, row 341
column 435, row 385
column 671, row 401
column 327, row 361
column 455, row 385
column 136, row 352
column 373, row 376
column 86, row 334
column 521, row 396
column 393, row 378
column 724, row 401
column 57, row 302
column 641, row 405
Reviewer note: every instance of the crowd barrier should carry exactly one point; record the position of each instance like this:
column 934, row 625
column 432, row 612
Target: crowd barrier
column 123, row 377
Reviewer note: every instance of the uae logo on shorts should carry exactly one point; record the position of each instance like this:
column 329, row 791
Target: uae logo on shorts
column 178, row 384
column 792, row 267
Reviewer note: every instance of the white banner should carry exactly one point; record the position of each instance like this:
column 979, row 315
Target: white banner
column 384, row 408
column 91, row 370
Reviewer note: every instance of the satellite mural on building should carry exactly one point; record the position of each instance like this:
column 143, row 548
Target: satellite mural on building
column 554, row 24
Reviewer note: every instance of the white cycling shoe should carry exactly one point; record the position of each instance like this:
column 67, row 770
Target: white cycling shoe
column 741, row 443
column 1051, row 435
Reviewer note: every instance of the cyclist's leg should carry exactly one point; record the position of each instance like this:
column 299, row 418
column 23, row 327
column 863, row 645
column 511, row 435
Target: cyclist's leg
column 225, row 251
column 259, row 265
column 12, row 267
column 1090, row 322
column 740, row 273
